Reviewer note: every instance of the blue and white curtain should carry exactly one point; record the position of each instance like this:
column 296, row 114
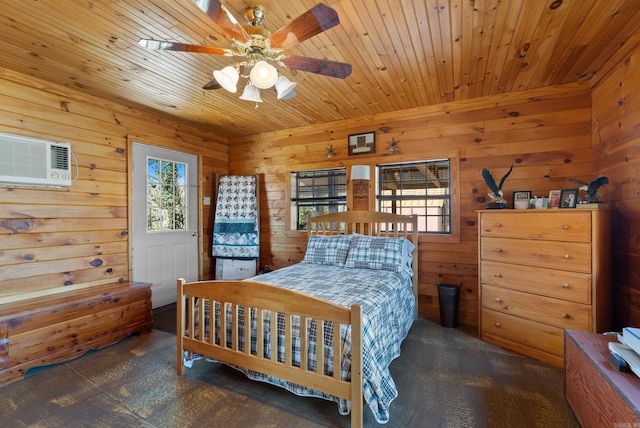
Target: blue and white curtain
column 235, row 228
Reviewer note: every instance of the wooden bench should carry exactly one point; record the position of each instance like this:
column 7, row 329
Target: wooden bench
column 52, row 329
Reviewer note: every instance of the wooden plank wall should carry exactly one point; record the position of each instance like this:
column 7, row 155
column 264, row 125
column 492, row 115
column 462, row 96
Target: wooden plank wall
column 55, row 240
column 616, row 154
column 544, row 133
column 77, row 238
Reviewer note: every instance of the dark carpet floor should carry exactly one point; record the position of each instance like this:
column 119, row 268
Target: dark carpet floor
column 445, row 377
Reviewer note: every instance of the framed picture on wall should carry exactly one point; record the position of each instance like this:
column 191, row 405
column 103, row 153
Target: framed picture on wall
column 362, row 143
column 568, row 198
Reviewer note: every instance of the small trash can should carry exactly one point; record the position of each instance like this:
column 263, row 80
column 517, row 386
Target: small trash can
column 448, row 299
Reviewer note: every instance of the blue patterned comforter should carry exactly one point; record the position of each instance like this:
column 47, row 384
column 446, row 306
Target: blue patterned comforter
column 388, row 310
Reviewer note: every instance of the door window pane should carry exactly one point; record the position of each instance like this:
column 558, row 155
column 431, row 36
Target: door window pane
column 166, row 195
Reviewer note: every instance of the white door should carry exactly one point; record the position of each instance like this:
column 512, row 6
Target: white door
column 165, row 220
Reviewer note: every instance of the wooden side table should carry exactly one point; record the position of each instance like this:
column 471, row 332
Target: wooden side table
column 598, row 394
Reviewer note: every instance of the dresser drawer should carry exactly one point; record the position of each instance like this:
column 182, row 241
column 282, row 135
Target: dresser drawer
column 574, row 226
column 570, row 256
column 571, row 286
column 538, row 336
column 547, row 310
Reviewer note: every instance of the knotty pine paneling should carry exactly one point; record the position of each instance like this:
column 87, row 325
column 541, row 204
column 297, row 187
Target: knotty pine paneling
column 545, row 134
column 53, row 240
column 405, row 54
column 616, row 150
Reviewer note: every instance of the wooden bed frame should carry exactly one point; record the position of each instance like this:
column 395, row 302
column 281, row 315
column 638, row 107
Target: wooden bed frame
column 263, row 297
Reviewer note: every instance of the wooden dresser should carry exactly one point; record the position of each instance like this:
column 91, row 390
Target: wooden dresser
column 540, row 272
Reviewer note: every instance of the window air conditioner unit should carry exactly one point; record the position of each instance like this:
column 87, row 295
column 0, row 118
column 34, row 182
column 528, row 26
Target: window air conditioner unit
column 26, row 161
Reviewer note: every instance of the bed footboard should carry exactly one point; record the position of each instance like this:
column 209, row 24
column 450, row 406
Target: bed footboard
column 230, row 342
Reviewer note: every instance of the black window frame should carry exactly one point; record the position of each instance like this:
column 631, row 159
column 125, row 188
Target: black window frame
column 334, row 199
column 410, row 166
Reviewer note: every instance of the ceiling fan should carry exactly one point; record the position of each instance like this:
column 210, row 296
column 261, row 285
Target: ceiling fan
column 259, row 47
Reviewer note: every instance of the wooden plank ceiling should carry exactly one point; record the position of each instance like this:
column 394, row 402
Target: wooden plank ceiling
column 405, row 53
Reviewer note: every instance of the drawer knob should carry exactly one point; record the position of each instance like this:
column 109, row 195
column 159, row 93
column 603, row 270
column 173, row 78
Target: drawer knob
column 497, row 225
column 498, row 325
column 497, row 300
column 565, row 316
column 564, row 227
column 497, row 250
column 566, row 257
column 564, row 285
column 497, row 275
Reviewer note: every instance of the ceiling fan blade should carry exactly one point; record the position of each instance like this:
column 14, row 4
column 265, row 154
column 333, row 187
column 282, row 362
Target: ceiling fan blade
column 225, row 20
column 324, row 67
column 182, row 47
column 212, row 84
column 314, row 21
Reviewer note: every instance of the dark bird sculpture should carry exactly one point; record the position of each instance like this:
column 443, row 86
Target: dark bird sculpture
column 591, row 196
column 496, row 194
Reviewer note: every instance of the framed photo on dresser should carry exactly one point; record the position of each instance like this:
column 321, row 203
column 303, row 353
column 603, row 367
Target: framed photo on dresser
column 554, row 199
column 521, row 199
column 568, row 198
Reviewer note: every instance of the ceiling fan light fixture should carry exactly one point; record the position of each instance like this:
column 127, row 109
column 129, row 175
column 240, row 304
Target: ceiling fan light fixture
column 227, row 78
column 284, row 87
column 251, row 93
column 262, row 49
column 290, row 95
column 263, row 75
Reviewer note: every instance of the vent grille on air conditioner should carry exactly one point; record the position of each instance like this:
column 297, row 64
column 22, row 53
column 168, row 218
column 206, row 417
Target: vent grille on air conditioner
column 34, row 162
column 59, row 157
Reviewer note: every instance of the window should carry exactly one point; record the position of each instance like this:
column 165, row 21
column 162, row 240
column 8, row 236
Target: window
column 166, row 195
column 422, row 188
column 317, row 192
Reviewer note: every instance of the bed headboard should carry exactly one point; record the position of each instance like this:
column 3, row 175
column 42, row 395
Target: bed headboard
column 371, row 223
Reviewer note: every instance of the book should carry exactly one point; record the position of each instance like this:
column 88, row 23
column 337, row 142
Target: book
column 631, row 338
column 594, row 205
column 632, row 359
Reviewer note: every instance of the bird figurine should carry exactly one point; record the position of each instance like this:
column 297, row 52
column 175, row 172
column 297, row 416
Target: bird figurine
column 496, row 194
column 591, row 197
